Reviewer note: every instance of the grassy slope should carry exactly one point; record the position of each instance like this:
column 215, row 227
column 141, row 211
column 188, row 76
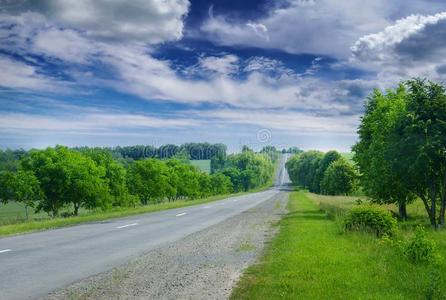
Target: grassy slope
column 310, row 259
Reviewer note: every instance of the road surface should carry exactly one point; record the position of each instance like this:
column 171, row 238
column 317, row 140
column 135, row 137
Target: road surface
column 33, row 265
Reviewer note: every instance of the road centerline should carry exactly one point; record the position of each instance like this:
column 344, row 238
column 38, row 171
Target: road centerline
column 5, row 250
column 180, row 215
column 128, row 225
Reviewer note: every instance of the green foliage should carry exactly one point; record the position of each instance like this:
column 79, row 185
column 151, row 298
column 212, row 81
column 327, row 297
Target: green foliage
column 303, row 167
column 149, row 180
column 67, row 177
column 420, row 249
column 401, row 152
column 339, row 178
column 325, row 162
column 370, row 219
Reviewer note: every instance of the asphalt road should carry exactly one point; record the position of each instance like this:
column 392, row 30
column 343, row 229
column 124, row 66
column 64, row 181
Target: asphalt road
column 33, row 265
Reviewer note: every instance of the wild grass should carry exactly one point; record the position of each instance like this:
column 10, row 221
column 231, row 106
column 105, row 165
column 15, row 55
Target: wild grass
column 311, row 259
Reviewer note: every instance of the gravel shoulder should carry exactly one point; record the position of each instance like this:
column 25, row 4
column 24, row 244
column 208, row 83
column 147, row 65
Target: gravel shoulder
column 203, row 265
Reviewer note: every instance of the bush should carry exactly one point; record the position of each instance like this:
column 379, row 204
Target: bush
column 421, row 249
column 370, row 219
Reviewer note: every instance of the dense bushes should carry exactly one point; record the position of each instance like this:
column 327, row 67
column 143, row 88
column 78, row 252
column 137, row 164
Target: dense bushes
column 370, row 219
column 327, row 173
column 58, row 178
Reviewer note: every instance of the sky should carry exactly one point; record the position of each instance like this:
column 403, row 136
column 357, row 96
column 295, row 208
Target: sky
column 256, row 73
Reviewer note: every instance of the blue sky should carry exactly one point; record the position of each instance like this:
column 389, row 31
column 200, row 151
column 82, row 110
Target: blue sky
column 286, row 72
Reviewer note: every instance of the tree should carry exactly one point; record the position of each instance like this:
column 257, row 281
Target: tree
column 374, row 151
column 402, row 147
column 149, row 180
column 67, row 177
column 302, row 168
column 419, row 146
column 115, row 175
column 323, row 165
column 339, row 178
column 21, row 187
column 221, row 184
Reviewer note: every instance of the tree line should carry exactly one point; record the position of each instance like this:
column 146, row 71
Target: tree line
column 401, row 152
column 323, row 173
column 93, row 178
column 194, row 151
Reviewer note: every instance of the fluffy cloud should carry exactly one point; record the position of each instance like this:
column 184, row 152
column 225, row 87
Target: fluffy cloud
column 325, row 27
column 148, row 21
column 414, row 37
column 414, row 46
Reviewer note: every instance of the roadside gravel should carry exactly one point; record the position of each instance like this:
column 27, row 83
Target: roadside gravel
column 203, row 265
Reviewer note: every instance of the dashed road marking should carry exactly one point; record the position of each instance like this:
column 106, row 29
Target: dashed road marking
column 128, row 225
column 5, row 250
column 207, row 207
column 179, row 215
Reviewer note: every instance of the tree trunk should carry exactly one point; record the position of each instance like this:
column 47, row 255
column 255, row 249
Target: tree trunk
column 402, row 211
column 428, row 209
column 443, row 202
column 76, row 208
column 433, row 195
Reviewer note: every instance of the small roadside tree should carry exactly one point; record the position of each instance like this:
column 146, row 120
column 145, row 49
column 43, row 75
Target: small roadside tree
column 339, row 178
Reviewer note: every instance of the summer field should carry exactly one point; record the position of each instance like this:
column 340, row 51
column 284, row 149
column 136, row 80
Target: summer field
column 311, row 258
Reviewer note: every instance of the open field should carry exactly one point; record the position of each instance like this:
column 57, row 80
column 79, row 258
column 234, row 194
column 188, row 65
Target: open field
column 203, row 164
column 311, row 259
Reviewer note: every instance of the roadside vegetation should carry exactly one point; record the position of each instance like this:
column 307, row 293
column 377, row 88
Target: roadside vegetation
column 60, row 186
column 385, row 242
column 315, row 257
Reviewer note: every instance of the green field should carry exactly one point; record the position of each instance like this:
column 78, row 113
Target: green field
column 311, row 259
column 204, row 165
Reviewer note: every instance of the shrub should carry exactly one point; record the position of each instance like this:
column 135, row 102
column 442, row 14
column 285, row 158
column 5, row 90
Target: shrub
column 370, row 219
column 421, row 249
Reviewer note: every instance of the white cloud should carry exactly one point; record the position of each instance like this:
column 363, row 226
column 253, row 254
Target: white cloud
column 18, row 75
column 289, row 121
column 147, row 21
column 414, row 46
column 64, row 44
column 88, row 121
column 225, row 65
column 325, row 27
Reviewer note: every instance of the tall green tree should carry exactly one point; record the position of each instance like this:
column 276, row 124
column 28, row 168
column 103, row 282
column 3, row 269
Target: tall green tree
column 67, row 177
column 323, row 165
column 375, row 151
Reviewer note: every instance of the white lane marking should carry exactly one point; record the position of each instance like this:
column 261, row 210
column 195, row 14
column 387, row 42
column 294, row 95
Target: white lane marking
column 207, row 207
column 235, row 200
column 179, row 215
column 128, row 225
column 6, row 250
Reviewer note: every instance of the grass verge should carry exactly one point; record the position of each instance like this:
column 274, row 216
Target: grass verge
column 31, row 226
column 311, row 259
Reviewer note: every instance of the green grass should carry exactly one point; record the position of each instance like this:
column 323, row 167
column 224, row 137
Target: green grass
column 44, row 222
column 311, row 259
column 204, row 165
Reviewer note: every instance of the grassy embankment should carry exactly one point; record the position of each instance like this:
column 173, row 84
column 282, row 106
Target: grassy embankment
column 311, row 258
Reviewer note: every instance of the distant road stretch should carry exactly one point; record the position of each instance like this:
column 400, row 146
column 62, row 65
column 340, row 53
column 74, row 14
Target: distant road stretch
column 33, row 265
